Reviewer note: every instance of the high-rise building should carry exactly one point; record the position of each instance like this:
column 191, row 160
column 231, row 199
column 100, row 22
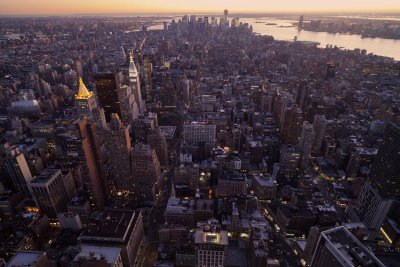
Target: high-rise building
column 306, row 142
column 301, row 23
column 143, row 125
column 18, row 169
column 200, row 133
column 338, row 247
column 135, row 85
column 90, row 145
column 86, row 104
column 289, row 160
column 385, row 171
column 156, row 140
column 370, row 208
column 107, row 86
column 50, row 191
column 117, row 228
column 319, row 124
column 291, row 125
column 148, row 81
column 118, row 149
column 211, row 246
column 146, row 171
column 302, row 95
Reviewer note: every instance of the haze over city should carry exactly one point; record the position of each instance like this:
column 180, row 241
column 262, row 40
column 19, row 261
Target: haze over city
column 50, row 7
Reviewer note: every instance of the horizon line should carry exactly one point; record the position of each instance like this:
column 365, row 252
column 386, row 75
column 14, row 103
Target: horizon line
column 244, row 12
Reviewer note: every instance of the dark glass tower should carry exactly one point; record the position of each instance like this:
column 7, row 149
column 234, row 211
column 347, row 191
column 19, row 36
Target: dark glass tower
column 385, row 172
column 107, row 92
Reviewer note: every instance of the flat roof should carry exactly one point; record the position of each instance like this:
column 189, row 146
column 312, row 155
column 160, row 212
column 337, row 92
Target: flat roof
column 45, row 176
column 211, row 237
column 111, row 226
column 347, row 248
column 25, row 258
column 110, row 254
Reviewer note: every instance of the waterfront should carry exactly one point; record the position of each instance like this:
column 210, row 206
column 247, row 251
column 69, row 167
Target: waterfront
column 282, row 31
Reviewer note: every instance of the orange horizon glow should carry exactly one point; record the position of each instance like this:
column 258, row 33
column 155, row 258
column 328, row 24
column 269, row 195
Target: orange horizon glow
column 53, row 7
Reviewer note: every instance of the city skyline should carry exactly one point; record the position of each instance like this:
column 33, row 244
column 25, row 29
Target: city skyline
column 48, row 7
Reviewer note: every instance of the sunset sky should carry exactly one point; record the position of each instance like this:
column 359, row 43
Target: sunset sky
column 48, row 7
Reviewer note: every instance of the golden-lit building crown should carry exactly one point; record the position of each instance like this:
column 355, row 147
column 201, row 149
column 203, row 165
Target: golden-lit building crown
column 83, row 92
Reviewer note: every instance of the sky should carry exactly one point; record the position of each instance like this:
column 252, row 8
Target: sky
column 57, row 7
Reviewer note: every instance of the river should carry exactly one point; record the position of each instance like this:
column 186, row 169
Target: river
column 283, row 31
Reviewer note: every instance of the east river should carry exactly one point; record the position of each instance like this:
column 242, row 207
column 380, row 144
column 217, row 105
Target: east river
column 284, row 31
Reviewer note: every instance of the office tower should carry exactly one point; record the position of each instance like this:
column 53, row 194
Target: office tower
column 211, row 246
column 301, row 23
column 18, row 169
column 370, row 208
column 116, row 97
column 319, row 124
column 94, row 182
column 338, row 247
column 292, row 124
column 148, row 81
column 289, row 160
column 107, row 86
column 85, row 101
column 143, row 125
column 135, row 85
column 78, row 67
column 116, row 228
column 123, row 55
column 302, row 95
column 390, row 228
column 145, row 170
column 200, row 133
column 87, row 106
column 306, row 142
column 185, row 87
column 226, row 16
column 330, row 70
column 118, row 149
column 50, row 191
column 385, row 171
column 157, row 141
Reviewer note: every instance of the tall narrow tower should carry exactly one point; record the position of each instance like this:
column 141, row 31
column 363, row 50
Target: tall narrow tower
column 86, row 104
column 135, row 84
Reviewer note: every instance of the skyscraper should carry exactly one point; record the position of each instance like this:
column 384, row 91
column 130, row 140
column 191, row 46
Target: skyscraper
column 135, row 85
column 338, row 247
column 18, row 169
column 94, row 182
column 319, row 124
column 107, row 92
column 385, row 171
column 156, row 140
column 148, row 70
column 118, row 148
column 146, row 171
column 50, row 191
column 306, row 142
column 200, row 133
column 86, row 104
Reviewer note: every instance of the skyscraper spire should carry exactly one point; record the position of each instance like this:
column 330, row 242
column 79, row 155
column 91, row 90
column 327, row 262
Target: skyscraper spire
column 83, row 92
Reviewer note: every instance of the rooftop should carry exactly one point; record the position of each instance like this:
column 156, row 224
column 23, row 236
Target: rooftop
column 348, row 249
column 211, row 235
column 46, row 176
column 110, row 254
column 111, row 226
column 25, row 258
